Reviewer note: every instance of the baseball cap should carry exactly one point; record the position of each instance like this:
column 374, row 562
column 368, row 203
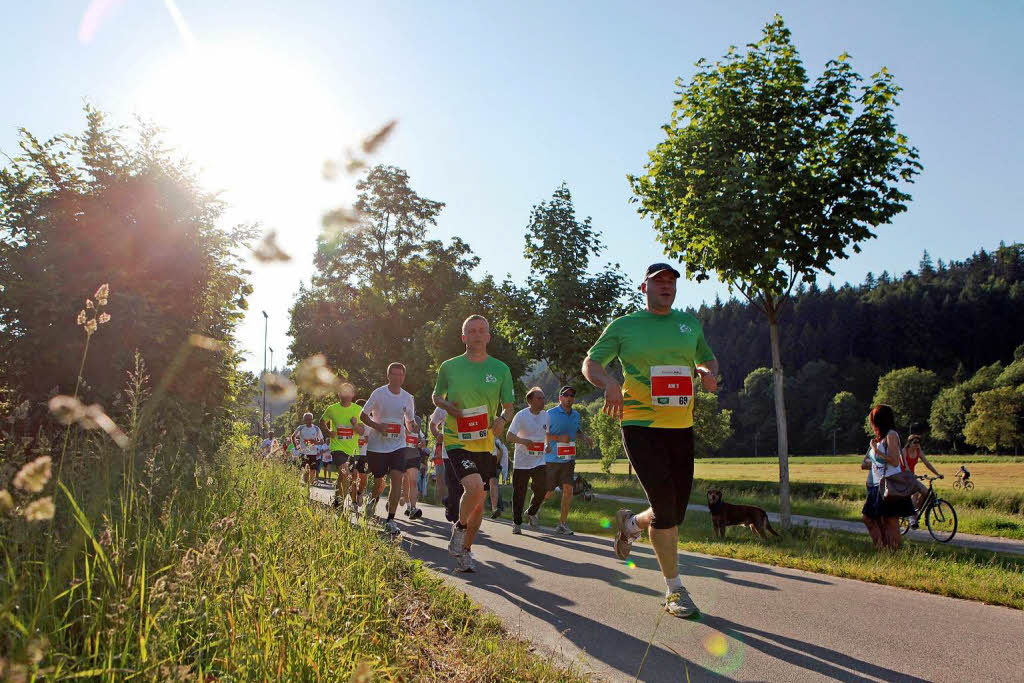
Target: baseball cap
column 657, row 268
column 564, row 390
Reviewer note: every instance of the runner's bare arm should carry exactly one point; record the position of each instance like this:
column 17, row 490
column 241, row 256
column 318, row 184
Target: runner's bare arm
column 368, row 421
column 505, row 418
column 708, row 373
column 597, row 375
column 450, row 407
column 360, row 429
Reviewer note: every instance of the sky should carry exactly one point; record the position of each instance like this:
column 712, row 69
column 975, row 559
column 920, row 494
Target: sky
column 498, row 104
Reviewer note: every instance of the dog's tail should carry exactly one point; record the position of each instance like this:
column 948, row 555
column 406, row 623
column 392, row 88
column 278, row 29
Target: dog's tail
column 768, row 524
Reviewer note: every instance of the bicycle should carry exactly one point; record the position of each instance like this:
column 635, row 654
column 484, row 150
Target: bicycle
column 965, row 484
column 939, row 515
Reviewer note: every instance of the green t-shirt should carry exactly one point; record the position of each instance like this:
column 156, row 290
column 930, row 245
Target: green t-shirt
column 338, row 417
column 479, row 389
column 659, row 348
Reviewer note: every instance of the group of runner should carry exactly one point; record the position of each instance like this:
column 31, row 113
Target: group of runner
column 662, row 352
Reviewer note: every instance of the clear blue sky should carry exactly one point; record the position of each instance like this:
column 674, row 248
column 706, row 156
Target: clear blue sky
column 499, row 103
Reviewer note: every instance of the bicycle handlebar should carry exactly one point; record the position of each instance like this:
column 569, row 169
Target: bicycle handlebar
column 926, row 477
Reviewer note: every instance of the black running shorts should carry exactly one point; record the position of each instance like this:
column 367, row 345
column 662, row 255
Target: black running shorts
column 310, row 460
column 358, row 463
column 466, row 463
column 382, row 463
column 412, row 457
column 559, row 474
column 663, row 461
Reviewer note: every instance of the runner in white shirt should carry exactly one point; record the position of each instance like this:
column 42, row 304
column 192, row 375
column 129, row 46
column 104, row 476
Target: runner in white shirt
column 389, row 413
column 269, row 447
column 308, row 436
column 449, row 487
column 529, row 432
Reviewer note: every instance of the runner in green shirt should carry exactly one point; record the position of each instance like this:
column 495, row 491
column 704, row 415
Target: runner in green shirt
column 662, row 351
column 471, row 388
column 341, row 421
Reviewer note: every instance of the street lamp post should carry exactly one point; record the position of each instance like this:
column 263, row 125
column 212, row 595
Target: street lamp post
column 263, row 415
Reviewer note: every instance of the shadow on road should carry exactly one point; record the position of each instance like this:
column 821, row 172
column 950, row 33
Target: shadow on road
column 835, row 665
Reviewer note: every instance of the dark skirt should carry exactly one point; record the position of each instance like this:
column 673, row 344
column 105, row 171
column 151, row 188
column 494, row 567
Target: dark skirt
column 876, row 507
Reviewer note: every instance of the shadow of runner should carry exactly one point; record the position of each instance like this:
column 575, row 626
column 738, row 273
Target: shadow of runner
column 822, row 660
column 612, row 647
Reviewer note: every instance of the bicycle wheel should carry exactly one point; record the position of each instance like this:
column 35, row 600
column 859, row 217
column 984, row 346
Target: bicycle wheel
column 941, row 521
column 968, row 485
column 956, row 484
column 904, row 525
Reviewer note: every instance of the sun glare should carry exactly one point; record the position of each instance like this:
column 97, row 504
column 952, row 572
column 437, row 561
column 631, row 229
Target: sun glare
column 246, row 114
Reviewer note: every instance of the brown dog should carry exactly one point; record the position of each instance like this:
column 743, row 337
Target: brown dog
column 725, row 514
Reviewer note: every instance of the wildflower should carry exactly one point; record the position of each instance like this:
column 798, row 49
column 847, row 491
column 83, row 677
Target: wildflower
column 80, row 320
column 204, row 342
column 104, row 318
column 102, row 293
column 6, row 501
column 268, row 250
column 32, row 477
column 90, row 326
column 313, row 376
column 40, row 509
column 89, row 304
column 279, row 387
column 371, row 143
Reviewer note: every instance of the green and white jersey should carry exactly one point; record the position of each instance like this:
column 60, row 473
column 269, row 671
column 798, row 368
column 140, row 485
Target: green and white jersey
column 479, row 389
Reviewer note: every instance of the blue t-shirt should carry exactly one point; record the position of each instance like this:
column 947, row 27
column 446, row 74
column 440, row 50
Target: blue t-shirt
column 560, row 422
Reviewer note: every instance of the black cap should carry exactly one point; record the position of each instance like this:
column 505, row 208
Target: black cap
column 656, row 268
column 561, row 392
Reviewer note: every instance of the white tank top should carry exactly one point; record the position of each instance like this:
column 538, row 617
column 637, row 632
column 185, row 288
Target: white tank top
column 879, row 472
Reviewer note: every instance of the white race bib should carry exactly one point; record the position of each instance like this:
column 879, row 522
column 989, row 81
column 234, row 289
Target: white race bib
column 671, row 386
column 473, row 424
column 564, row 451
column 392, row 430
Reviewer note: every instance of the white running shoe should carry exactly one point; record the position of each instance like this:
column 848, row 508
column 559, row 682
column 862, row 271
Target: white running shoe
column 678, row 603
column 533, row 521
column 392, row 527
column 623, row 540
column 457, row 542
column 563, row 529
column 464, row 562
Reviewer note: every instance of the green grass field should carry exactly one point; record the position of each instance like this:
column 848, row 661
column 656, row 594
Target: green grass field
column 237, row 577
column 834, row 487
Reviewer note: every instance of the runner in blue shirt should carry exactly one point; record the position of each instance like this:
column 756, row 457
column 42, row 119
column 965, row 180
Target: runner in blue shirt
column 560, row 457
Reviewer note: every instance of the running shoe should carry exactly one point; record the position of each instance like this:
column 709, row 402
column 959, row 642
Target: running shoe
column 496, row 513
column 678, row 603
column 336, row 503
column 623, row 541
column 392, row 527
column 517, row 529
column 416, row 513
column 407, row 511
column 563, row 529
column 464, row 562
column 457, row 542
column 533, row 521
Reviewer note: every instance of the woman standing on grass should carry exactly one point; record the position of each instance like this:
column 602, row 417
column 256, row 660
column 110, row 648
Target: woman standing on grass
column 886, row 460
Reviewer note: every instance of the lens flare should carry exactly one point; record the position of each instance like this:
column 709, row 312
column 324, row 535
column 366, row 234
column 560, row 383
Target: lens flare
column 716, row 645
column 726, row 653
column 606, row 523
column 631, row 564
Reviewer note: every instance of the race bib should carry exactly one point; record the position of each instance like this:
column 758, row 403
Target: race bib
column 411, row 440
column 671, row 385
column 473, row 424
column 309, row 442
column 346, row 432
column 363, row 440
column 536, row 447
column 392, row 430
column 566, row 450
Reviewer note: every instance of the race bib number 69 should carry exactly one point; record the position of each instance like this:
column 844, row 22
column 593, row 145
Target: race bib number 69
column 671, row 385
column 473, row 424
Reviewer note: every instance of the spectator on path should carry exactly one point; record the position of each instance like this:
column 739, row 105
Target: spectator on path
column 886, row 460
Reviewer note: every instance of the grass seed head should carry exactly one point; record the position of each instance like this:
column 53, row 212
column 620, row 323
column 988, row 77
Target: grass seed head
column 80, row 320
column 102, row 293
column 203, row 342
column 40, row 509
column 279, row 387
column 268, row 250
column 313, row 376
column 6, row 504
column 32, row 477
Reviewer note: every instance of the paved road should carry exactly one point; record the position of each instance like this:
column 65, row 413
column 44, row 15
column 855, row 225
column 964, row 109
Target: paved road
column 973, row 541
column 581, row 606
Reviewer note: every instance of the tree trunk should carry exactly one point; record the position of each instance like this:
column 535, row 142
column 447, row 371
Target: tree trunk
column 780, row 423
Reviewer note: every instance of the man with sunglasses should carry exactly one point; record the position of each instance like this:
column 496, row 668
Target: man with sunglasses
column 661, row 350
column 560, row 455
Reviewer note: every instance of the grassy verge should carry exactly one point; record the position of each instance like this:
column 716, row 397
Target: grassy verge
column 986, row 513
column 242, row 578
column 955, row 572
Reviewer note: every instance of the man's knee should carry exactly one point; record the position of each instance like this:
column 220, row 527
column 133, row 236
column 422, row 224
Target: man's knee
column 473, row 485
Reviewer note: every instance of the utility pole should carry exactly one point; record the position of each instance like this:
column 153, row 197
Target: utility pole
column 263, row 378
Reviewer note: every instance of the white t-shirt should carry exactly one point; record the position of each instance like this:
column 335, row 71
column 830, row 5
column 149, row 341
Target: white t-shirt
column 526, row 425
column 437, row 418
column 308, row 434
column 394, row 409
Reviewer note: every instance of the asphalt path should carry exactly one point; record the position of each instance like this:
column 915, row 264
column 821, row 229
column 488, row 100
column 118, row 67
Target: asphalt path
column 581, row 606
column 1010, row 546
